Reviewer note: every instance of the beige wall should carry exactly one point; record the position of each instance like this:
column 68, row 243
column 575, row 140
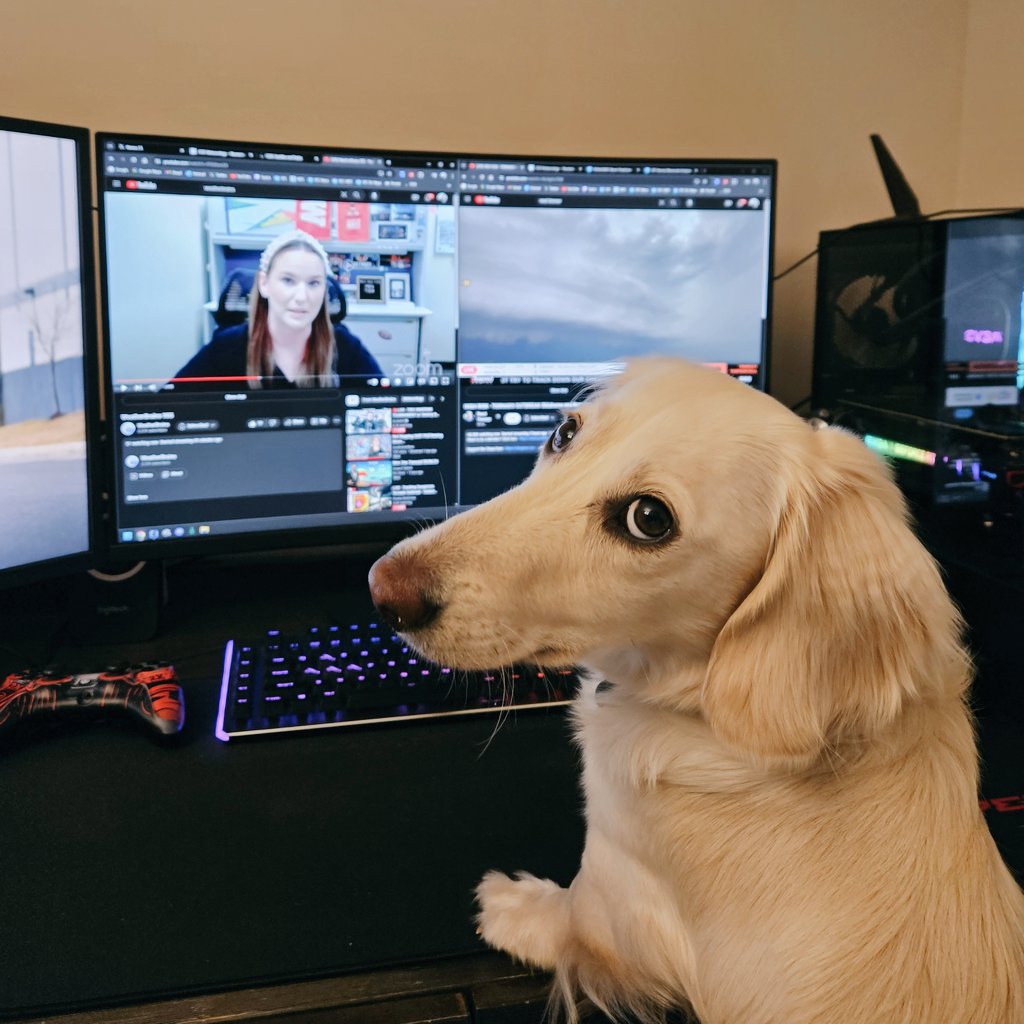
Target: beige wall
column 991, row 163
column 805, row 81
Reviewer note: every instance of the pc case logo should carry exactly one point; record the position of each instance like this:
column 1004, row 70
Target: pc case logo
column 976, row 337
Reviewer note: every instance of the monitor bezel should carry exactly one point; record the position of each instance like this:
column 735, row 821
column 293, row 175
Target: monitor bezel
column 68, row 564
column 349, row 534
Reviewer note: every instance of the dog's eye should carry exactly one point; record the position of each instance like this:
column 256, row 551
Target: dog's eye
column 647, row 519
column 564, row 433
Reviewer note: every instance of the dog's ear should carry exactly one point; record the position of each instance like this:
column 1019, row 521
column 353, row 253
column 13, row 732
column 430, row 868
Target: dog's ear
column 848, row 622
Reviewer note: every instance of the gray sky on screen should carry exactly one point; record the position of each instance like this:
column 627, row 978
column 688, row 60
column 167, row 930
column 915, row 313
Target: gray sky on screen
column 550, row 284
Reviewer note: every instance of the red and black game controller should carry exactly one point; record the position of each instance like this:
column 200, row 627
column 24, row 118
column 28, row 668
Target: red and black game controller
column 149, row 692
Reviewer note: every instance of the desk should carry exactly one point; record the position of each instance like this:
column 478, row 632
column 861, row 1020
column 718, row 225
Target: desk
column 985, row 577
column 138, row 871
column 321, row 877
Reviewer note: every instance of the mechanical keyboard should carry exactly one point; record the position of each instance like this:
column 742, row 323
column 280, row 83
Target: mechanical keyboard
column 362, row 673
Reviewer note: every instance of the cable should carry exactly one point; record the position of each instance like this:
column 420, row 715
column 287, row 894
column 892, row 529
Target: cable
column 799, row 263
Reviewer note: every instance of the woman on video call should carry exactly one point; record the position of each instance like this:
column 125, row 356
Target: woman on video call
column 289, row 340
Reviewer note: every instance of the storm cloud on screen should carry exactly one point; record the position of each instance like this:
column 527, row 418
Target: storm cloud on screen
column 583, row 285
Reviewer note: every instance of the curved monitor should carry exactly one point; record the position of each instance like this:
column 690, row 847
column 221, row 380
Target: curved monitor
column 48, row 351
column 311, row 345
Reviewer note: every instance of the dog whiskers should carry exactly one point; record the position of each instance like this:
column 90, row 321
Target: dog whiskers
column 504, row 674
column 421, row 524
column 833, row 758
column 644, row 664
column 444, row 499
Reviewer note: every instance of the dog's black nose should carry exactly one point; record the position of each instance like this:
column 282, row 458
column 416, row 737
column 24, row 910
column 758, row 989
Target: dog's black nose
column 397, row 596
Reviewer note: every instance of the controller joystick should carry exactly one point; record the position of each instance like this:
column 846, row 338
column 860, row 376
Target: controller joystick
column 150, row 692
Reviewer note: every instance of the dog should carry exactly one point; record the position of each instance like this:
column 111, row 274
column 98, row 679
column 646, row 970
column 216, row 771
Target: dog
column 779, row 763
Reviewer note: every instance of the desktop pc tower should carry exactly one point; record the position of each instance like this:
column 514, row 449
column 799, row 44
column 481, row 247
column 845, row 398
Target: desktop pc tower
column 918, row 347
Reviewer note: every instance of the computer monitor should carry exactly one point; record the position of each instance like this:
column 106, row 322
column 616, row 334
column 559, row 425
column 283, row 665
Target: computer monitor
column 427, row 327
column 48, row 351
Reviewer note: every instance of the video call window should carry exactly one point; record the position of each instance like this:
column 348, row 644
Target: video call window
column 202, row 263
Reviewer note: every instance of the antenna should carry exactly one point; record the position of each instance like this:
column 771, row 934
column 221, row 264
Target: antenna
column 904, row 203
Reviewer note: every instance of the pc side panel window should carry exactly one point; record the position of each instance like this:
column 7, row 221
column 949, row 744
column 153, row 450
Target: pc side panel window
column 983, row 307
column 43, row 468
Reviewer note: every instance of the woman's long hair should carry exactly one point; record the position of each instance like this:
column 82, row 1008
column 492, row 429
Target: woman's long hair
column 318, row 359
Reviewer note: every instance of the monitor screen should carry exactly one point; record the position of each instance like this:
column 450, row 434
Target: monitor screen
column 47, row 350
column 302, row 340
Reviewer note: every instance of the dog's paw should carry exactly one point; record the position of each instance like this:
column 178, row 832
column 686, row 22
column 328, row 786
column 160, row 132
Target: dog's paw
column 525, row 916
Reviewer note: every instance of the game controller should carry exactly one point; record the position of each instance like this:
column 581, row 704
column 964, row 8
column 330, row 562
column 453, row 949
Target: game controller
column 149, row 692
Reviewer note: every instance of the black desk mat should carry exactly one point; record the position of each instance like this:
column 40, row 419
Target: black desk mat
column 1001, row 749
column 135, row 870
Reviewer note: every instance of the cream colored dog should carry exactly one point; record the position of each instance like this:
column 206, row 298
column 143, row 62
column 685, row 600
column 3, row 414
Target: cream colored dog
column 779, row 767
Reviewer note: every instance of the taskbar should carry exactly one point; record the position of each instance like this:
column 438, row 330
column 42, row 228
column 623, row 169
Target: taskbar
column 280, row 525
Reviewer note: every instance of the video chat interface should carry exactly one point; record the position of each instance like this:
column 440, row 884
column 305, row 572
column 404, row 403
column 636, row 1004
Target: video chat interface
column 487, row 292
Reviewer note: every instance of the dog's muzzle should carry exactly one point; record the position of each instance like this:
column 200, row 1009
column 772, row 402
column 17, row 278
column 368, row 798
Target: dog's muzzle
column 398, row 597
